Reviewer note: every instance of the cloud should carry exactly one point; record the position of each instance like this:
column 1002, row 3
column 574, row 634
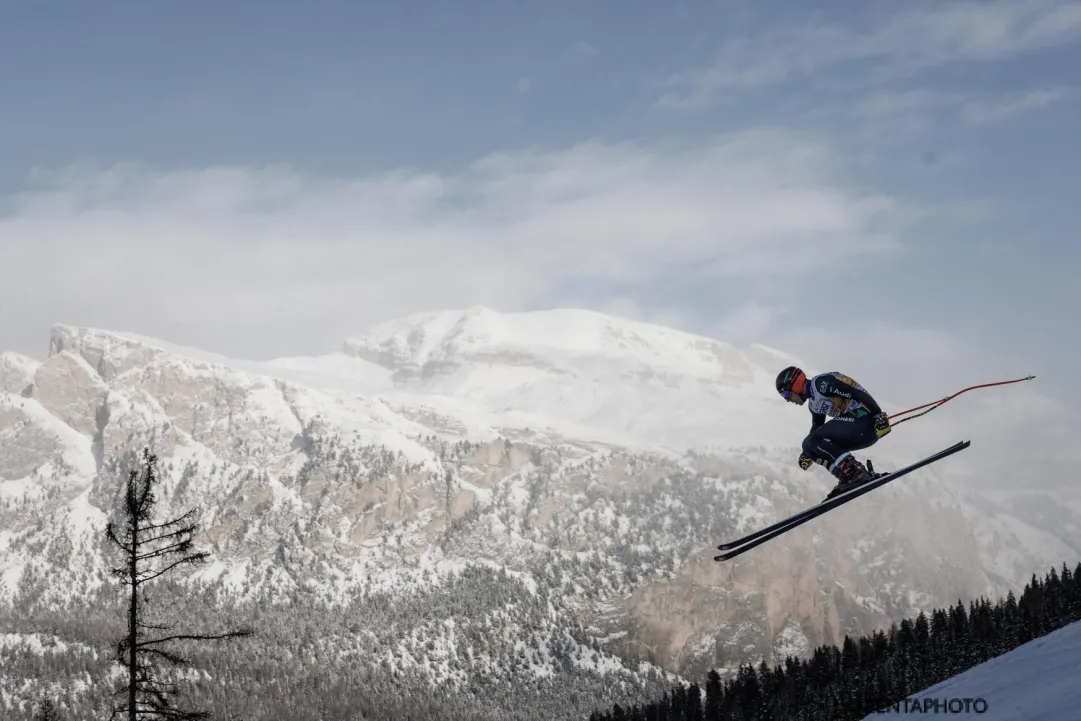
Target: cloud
column 919, row 37
column 523, row 86
column 241, row 259
column 748, row 322
column 979, row 112
column 906, row 114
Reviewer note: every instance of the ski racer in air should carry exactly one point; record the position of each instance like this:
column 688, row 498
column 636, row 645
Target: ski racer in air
column 856, row 423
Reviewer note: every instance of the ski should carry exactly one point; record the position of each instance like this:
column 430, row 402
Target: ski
column 814, row 510
column 742, row 545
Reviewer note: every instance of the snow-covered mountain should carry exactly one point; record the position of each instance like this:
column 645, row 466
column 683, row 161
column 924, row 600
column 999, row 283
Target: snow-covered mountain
column 567, row 373
column 539, row 494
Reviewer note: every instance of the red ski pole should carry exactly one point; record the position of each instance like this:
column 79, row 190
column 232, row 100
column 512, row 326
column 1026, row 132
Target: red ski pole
column 936, row 404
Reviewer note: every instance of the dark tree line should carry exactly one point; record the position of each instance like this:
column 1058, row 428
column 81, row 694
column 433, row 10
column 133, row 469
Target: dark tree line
column 873, row 672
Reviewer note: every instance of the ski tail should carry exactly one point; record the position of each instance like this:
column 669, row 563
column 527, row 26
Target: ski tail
column 753, row 540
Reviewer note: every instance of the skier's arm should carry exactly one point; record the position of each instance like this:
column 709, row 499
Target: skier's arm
column 817, row 419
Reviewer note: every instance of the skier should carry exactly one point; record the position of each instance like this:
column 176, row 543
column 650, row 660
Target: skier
column 857, row 422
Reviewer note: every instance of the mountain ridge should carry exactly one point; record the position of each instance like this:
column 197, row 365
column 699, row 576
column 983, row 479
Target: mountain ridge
column 338, row 493
column 514, row 386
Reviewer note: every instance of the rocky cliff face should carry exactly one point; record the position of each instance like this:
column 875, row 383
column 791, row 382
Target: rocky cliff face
column 599, row 551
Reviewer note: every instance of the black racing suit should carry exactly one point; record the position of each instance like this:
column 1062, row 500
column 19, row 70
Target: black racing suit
column 852, row 411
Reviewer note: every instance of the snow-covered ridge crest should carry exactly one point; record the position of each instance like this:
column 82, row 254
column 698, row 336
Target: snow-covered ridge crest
column 561, row 340
column 16, row 372
column 587, row 375
column 216, row 400
column 572, row 374
column 112, row 353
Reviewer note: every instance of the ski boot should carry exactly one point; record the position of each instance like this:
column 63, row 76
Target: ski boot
column 849, row 473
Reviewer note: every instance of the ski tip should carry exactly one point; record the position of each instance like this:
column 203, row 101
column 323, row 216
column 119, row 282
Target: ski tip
column 736, row 544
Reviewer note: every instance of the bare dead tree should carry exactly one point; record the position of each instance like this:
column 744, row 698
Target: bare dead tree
column 150, row 550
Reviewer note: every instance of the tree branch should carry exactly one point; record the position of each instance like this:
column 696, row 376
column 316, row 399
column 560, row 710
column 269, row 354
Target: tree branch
column 180, row 547
column 191, row 529
column 230, row 634
column 170, row 657
column 174, row 522
column 198, row 557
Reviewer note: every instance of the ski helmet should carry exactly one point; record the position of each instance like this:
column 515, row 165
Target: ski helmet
column 787, row 378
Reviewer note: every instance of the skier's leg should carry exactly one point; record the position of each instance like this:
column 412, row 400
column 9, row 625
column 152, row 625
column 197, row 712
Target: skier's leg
column 826, row 444
column 838, row 436
column 831, row 445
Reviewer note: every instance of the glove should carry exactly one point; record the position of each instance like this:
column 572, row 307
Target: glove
column 882, row 425
column 805, row 462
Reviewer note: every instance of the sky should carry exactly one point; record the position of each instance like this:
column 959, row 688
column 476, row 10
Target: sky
column 883, row 188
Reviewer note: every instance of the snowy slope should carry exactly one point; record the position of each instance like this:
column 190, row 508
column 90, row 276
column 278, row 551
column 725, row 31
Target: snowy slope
column 1035, row 682
column 1023, row 530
